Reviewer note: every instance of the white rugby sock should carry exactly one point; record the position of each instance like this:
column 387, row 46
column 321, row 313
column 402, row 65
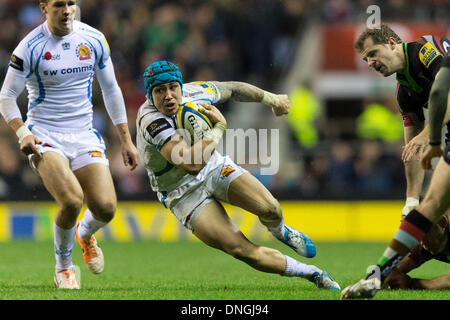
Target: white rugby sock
column 295, row 268
column 277, row 231
column 63, row 241
column 89, row 225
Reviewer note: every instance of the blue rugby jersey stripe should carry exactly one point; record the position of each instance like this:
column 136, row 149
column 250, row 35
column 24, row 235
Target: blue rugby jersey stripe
column 31, row 57
column 101, row 65
column 40, row 83
column 91, row 78
column 100, row 139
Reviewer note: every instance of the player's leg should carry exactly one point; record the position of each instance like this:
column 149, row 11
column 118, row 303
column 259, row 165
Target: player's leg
column 419, row 221
column 437, row 198
column 412, row 230
column 62, row 184
column 97, row 184
column 249, row 193
column 215, row 228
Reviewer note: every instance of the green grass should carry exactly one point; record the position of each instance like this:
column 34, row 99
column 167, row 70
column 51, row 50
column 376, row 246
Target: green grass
column 190, row 271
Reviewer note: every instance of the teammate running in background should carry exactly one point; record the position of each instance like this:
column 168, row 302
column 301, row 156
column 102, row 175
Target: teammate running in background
column 56, row 62
column 419, row 221
column 193, row 191
column 416, row 65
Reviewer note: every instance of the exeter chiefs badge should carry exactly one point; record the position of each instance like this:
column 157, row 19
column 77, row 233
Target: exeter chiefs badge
column 226, row 171
column 83, row 52
column 96, row 154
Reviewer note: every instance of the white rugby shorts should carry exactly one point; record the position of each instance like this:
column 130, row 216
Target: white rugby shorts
column 80, row 149
column 196, row 194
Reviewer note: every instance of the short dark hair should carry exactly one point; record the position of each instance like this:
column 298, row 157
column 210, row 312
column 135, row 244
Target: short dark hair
column 379, row 36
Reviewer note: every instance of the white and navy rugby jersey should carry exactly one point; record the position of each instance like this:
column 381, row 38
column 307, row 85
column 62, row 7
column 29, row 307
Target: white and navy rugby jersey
column 154, row 129
column 59, row 72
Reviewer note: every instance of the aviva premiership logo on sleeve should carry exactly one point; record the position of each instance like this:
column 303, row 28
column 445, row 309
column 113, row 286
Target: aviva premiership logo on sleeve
column 427, row 54
column 16, row 62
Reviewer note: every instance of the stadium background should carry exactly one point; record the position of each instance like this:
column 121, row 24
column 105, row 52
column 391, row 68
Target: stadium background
column 340, row 178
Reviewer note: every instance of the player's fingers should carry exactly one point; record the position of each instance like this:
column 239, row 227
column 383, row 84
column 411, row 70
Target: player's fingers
column 134, row 161
column 205, row 106
column 404, row 153
column 409, row 152
column 133, row 166
column 203, row 110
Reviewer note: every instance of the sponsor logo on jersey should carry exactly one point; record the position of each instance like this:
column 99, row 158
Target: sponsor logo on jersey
column 226, row 171
column 209, row 89
column 49, row 56
column 428, row 53
column 16, row 62
column 158, row 126
column 69, row 70
column 96, row 154
column 36, row 38
column 83, row 52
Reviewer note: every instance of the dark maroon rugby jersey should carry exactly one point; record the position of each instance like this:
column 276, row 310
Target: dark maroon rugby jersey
column 424, row 58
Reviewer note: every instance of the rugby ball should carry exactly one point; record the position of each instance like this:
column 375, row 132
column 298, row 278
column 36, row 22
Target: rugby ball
column 192, row 121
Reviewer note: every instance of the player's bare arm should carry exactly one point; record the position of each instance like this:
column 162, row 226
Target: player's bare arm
column 129, row 151
column 416, row 138
column 413, row 170
column 245, row 92
column 400, row 280
column 115, row 106
column 26, row 139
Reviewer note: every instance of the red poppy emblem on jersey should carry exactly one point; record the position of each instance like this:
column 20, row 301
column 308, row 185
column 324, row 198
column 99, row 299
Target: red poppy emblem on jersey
column 47, row 55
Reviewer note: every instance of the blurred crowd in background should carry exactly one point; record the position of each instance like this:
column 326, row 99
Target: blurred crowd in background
column 242, row 40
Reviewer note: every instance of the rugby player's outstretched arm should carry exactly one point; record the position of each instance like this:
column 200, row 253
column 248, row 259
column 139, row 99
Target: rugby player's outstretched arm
column 245, row 92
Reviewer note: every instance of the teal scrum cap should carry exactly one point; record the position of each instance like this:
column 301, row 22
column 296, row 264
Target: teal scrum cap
column 161, row 72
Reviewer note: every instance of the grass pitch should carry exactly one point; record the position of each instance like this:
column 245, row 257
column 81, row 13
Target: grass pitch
column 151, row 270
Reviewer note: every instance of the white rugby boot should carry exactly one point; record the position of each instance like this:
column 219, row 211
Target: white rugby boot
column 68, row 279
